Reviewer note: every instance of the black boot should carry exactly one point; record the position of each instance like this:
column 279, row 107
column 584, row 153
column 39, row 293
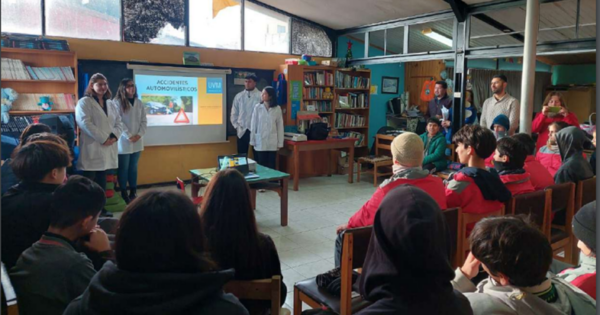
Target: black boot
column 132, row 193
column 125, row 197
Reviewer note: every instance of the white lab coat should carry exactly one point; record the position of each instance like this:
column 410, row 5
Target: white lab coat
column 96, row 128
column 266, row 130
column 134, row 122
column 241, row 111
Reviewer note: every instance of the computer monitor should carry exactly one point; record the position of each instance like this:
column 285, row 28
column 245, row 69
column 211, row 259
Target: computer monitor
column 237, row 161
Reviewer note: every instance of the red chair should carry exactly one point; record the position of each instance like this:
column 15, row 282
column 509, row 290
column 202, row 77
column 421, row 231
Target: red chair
column 196, row 200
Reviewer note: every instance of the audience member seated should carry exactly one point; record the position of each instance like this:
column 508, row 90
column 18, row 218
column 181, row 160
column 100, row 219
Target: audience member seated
column 162, row 265
column 6, row 173
column 407, row 154
column 593, row 158
column 543, row 119
column 407, row 268
column 474, row 188
column 574, row 167
column 51, row 273
column 540, row 177
column 509, row 160
column 517, row 257
column 233, row 236
column 41, row 165
column 548, row 155
column 500, row 127
column 584, row 275
column 435, row 147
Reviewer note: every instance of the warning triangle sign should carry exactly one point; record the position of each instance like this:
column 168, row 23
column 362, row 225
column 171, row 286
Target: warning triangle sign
column 182, row 118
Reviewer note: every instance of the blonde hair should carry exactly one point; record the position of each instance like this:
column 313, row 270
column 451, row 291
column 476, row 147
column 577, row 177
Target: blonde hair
column 560, row 98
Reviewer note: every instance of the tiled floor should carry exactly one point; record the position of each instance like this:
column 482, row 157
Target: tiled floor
column 306, row 245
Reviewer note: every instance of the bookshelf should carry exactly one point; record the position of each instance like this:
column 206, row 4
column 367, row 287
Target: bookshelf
column 352, row 102
column 42, row 58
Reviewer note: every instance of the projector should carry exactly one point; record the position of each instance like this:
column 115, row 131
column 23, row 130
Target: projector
column 294, row 136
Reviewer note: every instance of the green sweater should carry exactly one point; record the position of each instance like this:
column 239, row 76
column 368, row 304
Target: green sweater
column 436, row 151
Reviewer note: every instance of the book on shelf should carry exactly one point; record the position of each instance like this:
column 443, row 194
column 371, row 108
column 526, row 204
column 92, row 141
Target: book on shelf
column 34, row 42
column 348, row 121
column 353, row 100
column 352, row 134
column 14, row 69
column 321, row 106
column 29, row 102
column 315, row 92
column 318, row 78
column 346, row 81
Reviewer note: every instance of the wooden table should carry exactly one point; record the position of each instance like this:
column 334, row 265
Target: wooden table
column 315, row 145
column 266, row 174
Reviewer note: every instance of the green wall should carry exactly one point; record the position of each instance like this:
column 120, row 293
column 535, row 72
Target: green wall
column 574, row 74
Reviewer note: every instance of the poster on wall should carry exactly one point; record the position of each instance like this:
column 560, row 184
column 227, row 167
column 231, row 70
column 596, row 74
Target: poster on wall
column 239, row 77
column 296, row 97
column 373, row 89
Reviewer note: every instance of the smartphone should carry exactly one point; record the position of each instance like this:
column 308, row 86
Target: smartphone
column 553, row 109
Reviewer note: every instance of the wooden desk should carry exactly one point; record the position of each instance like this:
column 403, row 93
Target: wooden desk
column 346, row 145
column 266, row 175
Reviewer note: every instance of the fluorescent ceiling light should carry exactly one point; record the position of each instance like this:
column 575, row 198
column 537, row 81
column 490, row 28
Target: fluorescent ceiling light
column 437, row 36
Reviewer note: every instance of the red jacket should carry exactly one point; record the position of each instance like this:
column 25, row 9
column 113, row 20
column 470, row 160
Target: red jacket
column 549, row 159
column 518, row 183
column 464, row 193
column 430, row 184
column 540, row 177
column 541, row 122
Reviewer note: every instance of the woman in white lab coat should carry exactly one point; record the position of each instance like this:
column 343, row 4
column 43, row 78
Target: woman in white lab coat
column 100, row 124
column 266, row 131
column 131, row 144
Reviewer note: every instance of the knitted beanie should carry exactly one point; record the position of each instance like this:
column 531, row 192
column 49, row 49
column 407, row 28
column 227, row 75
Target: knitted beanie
column 501, row 120
column 584, row 225
column 407, row 149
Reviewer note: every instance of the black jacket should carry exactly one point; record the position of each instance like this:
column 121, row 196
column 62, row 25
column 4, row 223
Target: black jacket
column 574, row 166
column 115, row 291
column 25, row 217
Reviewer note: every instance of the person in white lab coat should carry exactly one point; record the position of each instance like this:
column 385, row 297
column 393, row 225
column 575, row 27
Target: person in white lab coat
column 131, row 144
column 100, row 124
column 241, row 112
column 267, row 129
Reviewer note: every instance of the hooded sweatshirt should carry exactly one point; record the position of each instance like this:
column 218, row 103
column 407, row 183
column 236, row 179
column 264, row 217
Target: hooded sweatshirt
column 435, row 151
column 517, row 181
column 476, row 190
column 418, row 177
column 549, row 158
column 407, row 268
column 115, row 291
column 540, row 177
column 574, row 166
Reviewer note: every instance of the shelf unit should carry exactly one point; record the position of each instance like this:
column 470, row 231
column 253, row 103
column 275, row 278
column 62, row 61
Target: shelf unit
column 354, row 88
column 42, row 58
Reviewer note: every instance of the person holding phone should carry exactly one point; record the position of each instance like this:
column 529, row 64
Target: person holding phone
column 553, row 109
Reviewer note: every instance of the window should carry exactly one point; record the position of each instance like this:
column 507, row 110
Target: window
column 587, row 19
column 357, row 41
column 216, row 24
column 13, row 12
column 310, row 40
column 95, row 19
column 395, row 41
column 265, row 30
column 498, row 28
column 157, row 22
column 377, row 43
column 557, row 21
column 431, row 36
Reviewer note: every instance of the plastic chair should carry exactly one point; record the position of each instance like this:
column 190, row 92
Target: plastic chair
column 196, row 200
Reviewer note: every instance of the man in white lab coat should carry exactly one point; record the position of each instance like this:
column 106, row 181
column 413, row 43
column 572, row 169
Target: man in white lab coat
column 241, row 112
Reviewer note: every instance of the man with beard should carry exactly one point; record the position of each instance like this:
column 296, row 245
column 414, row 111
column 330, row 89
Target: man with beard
column 501, row 103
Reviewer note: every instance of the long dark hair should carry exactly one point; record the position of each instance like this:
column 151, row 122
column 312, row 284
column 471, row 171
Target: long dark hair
column 230, row 224
column 272, row 97
column 122, row 94
column 89, row 91
column 161, row 231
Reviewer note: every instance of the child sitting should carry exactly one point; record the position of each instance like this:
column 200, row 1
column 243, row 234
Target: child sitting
column 548, row 155
column 474, row 188
column 51, row 273
column 540, row 177
column 435, row 147
column 499, row 127
column 407, row 153
column 574, row 167
column 509, row 160
column 516, row 257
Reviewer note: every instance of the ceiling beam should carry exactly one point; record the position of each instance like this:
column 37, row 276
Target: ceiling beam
column 499, row 26
column 459, row 8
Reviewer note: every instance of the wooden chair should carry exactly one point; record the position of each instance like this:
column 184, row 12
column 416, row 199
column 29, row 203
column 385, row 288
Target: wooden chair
column 9, row 298
column 585, row 192
column 563, row 202
column 536, row 205
column 262, row 290
column 452, row 217
column 181, row 184
column 469, row 219
column 354, row 252
column 452, row 156
column 382, row 142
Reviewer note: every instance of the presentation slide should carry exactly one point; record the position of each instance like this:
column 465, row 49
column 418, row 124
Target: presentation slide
column 172, row 100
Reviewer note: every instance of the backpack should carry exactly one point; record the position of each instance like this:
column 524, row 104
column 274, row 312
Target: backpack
column 317, row 131
column 280, row 89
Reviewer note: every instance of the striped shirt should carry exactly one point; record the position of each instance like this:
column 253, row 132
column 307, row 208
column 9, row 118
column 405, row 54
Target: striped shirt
column 507, row 105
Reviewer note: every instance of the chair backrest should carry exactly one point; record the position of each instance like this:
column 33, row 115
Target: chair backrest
column 264, row 290
column 563, row 200
column 452, row 156
column 181, row 184
column 537, row 205
column 466, row 220
column 585, row 193
column 383, row 142
column 452, row 217
column 354, row 253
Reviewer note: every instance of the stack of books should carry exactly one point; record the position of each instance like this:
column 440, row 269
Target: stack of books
column 346, row 81
column 29, row 102
column 34, row 42
column 321, row 106
column 318, row 78
column 314, row 92
column 14, row 69
column 353, row 134
column 349, row 121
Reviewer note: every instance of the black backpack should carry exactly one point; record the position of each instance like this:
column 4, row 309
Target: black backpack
column 317, row 131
